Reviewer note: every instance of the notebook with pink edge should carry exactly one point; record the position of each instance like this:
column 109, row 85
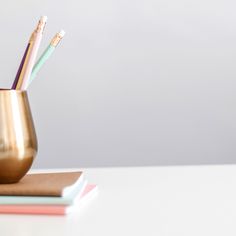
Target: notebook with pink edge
column 89, row 190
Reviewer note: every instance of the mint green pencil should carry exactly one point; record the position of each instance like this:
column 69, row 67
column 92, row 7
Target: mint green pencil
column 46, row 54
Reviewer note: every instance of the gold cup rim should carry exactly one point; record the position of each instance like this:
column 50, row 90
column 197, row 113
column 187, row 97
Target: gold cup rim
column 3, row 90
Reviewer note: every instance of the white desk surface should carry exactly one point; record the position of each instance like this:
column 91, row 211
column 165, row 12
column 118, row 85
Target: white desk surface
column 161, row 201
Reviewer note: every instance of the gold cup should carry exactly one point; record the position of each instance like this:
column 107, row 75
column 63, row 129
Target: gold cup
column 18, row 141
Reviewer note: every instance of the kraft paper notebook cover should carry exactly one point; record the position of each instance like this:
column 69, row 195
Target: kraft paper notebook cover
column 87, row 193
column 43, row 184
column 69, row 199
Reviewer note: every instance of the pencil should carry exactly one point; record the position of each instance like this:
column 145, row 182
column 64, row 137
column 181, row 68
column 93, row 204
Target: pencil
column 20, row 68
column 46, row 54
column 34, row 42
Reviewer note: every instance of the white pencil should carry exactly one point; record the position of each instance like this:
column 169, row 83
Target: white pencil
column 31, row 55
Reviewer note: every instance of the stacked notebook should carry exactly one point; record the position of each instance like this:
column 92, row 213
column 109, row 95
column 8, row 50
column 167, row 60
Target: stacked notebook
column 46, row 193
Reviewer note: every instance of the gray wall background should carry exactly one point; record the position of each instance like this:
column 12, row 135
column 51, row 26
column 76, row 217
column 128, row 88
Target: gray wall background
column 134, row 82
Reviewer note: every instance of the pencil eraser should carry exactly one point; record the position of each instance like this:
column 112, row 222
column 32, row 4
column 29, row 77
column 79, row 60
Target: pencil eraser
column 44, row 18
column 62, row 33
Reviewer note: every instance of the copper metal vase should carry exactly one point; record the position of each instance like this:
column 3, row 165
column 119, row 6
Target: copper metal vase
column 18, row 141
